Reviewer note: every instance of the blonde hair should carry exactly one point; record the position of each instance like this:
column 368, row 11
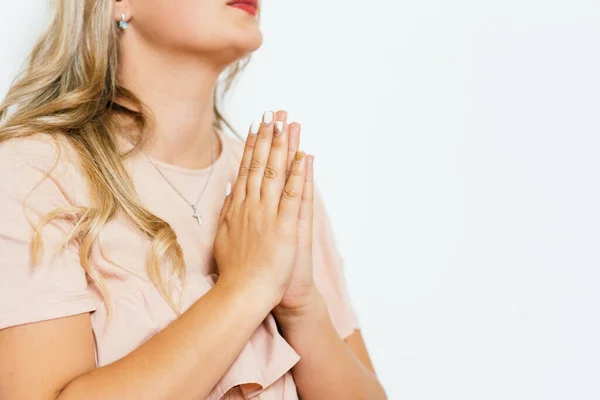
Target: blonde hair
column 68, row 90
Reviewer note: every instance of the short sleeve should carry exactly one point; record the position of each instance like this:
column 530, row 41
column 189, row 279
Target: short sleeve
column 328, row 267
column 56, row 286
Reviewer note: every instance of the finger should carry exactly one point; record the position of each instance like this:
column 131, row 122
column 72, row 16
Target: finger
column 294, row 144
column 226, row 203
column 291, row 198
column 305, row 219
column 275, row 170
column 239, row 187
column 260, row 156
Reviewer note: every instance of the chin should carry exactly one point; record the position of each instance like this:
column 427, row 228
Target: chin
column 251, row 41
column 244, row 44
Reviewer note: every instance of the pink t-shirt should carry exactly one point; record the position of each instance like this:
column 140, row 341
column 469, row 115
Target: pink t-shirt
column 58, row 286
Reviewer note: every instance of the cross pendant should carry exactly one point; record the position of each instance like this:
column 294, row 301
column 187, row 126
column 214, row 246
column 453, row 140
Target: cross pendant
column 197, row 216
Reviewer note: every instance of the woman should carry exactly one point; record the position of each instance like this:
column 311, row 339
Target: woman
column 128, row 270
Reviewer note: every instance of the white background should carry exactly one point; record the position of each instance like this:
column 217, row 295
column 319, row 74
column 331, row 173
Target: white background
column 457, row 148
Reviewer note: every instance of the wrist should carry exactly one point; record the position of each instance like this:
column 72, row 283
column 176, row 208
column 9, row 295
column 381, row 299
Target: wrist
column 312, row 312
column 255, row 289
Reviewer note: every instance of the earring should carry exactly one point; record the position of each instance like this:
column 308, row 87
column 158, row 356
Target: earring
column 123, row 24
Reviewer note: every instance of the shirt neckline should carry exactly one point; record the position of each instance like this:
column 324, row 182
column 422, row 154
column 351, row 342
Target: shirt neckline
column 191, row 171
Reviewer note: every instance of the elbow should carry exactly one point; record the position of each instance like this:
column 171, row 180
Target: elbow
column 376, row 392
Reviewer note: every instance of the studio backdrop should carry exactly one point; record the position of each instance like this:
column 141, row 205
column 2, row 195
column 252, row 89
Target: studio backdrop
column 456, row 147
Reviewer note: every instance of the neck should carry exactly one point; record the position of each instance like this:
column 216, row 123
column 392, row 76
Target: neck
column 178, row 90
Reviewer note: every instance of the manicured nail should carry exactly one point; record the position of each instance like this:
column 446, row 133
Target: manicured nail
column 268, row 117
column 228, row 189
column 254, row 127
column 299, row 155
column 278, row 128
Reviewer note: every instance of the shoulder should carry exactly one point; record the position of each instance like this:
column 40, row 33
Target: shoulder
column 26, row 162
column 40, row 149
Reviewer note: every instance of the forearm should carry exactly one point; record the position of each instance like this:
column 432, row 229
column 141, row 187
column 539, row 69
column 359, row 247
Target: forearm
column 328, row 369
column 186, row 359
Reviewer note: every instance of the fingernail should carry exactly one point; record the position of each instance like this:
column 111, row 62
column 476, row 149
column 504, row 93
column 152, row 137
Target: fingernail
column 278, row 128
column 268, row 117
column 299, row 155
column 255, row 127
column 228, row 189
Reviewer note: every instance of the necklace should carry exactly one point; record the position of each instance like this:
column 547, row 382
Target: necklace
column 194, row 206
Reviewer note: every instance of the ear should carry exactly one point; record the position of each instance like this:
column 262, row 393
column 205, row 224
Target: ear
column 122, row 7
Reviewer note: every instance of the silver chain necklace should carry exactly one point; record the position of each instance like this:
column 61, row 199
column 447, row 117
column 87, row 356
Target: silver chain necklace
column 194, row 206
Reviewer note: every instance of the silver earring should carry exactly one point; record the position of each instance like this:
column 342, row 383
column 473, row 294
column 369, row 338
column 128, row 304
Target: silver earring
column 123, row 24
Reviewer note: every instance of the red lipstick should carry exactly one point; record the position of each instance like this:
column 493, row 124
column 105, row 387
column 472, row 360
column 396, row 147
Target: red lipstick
column 250, row 6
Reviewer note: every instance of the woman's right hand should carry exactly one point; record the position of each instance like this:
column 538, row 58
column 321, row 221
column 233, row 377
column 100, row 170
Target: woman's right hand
column 257, row 235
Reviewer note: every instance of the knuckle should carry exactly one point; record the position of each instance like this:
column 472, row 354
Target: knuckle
column 290, row 193
column 264, row 133
column 250, row 145
column 253, row 215
column 271, row 172
column 246, row 213
column 244, row 170
column 255, row 165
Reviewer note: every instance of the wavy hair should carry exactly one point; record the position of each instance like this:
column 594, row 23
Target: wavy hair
column 68, row 90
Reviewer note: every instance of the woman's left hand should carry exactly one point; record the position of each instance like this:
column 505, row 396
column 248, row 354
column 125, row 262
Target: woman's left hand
column 301, row 295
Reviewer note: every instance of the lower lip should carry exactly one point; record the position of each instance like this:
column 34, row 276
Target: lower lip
column 250, row 9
